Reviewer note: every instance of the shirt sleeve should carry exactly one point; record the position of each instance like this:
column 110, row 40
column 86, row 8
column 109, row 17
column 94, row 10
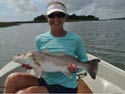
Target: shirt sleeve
column 81, row 51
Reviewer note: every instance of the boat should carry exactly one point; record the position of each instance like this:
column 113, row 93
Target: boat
column 110, row 79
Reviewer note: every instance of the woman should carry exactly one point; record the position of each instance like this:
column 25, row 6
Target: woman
column 55, row 40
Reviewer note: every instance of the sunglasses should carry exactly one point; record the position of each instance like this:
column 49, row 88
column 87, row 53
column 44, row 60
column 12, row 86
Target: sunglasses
column 58, row 15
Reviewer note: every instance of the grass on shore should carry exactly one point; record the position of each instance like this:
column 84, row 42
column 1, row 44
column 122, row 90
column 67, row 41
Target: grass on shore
column 6, row 24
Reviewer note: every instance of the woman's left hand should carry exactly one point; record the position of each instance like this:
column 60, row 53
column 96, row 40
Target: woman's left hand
column 72, row 67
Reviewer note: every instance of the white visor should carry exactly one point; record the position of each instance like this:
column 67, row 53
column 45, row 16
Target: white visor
column 55, row 7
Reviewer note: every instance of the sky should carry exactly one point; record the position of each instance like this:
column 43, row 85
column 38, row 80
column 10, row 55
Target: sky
column 26, row 10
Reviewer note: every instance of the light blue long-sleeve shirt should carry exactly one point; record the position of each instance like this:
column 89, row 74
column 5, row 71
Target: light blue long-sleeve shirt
column 70, row 44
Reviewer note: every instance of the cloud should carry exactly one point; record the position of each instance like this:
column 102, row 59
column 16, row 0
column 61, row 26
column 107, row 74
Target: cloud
column 111, row 4
column 78, row 4
column 19, row 10
column 33, row 8
column 20, row 5
column 100, row 8
column 110, row 8
column 27, row 5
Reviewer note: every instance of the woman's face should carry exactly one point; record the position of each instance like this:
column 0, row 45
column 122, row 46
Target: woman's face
column 56, row 19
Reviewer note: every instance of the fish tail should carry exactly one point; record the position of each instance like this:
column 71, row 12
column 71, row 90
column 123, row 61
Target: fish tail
column 93, row 67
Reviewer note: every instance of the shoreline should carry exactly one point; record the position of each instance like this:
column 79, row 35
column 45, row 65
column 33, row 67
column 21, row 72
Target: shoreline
column 8, row 24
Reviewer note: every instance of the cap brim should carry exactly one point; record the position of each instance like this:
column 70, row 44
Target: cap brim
column 54, row 10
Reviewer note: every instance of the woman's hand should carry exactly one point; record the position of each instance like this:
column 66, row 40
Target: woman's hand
column 72, row 67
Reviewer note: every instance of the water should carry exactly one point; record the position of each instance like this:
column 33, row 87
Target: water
column 104, row 39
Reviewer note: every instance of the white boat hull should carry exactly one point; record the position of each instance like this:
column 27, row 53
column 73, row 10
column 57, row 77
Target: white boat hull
column 109, row 78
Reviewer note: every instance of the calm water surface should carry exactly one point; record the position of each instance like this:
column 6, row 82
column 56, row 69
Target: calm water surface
column 104, row 39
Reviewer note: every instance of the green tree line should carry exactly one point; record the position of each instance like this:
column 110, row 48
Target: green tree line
column 72, row 17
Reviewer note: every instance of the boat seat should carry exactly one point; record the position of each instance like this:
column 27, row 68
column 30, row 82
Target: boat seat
column 82, row 86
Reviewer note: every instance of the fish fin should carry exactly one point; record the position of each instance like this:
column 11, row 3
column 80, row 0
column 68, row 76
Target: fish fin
column 93, row 68
column 68, row 74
